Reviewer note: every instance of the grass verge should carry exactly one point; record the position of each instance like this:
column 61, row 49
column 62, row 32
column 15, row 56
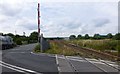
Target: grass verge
column 106, row 45
column 37, row 48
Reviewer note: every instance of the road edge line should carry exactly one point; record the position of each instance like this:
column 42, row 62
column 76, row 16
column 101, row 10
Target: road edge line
column 57, row 62
column 12, row 68
column 20, row 68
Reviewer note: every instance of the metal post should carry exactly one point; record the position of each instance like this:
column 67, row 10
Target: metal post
column 41, row 42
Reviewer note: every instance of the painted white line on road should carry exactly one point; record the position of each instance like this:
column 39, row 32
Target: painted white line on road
column 82, row 60
column 61, row 57
column 109, row 63
column 115, row 66
column 19, row 67
column 74, row 57
column 76, row 60
column 43, row 54
column 57, row 63
column 13, row 68
column 16, row 49
column 95, row 65
column 18, row 52
column 66, row 58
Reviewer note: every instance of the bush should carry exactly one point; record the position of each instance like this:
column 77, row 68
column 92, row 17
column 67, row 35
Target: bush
column 37, row 48
column 18, row 41
column 54, row 49
column 117, row 36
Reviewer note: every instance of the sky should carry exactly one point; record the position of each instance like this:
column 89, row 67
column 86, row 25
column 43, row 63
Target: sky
column 59, row 18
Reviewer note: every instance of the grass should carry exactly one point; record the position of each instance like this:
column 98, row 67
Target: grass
column 37, row 48
column 106, row 45
column 56, row 48
column 100, row 45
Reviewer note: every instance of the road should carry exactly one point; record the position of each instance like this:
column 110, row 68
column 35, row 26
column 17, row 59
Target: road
column 22, row 60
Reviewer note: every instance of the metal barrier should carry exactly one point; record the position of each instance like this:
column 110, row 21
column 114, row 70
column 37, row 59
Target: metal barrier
column 44, row 43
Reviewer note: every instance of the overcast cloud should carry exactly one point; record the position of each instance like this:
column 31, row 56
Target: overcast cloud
column 59, row 18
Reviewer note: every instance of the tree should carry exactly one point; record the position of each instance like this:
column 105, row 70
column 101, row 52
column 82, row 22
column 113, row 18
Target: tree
column 79, row 36
column 33, row 36
column 72, row 37
column 117, row 36
column 10, row 34
column 109, row 35
column 96, row 36
column 17, row 36
column 87, row 36
column 18, row 41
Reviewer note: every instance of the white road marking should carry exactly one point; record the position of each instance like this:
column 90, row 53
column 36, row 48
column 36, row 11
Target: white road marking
column 16, row 49
column 19, row 68
column 57, row 63
column 17, row 52
column 109, row 62
column 66, row 58
column 43, row 54
column 82, row 60
column 112, row 64
column 74, row 58
column 95, row 65
column 12, row 68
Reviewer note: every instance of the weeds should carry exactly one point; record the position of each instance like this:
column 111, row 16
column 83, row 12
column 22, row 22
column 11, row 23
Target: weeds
column 37, row 48
column 105, row 45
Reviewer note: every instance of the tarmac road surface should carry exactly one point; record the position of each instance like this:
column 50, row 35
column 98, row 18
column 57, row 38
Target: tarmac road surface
column 22, row 60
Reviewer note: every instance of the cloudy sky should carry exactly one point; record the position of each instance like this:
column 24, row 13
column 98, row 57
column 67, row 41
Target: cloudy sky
column 59, row 18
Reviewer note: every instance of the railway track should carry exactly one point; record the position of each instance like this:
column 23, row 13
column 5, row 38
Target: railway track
column 61, row 43
column 104, row 71
column 76, row 71
column 92, row 52
column 108, row 64
column 101, row 69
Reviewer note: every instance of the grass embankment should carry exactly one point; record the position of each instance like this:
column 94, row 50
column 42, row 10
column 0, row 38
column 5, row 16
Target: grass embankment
column 37, row 48
column 64, row 48
column 57, row 48
column 107, row 45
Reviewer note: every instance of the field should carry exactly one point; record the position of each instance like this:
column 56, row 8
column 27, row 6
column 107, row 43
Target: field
column 99, row 49
column 106, row 45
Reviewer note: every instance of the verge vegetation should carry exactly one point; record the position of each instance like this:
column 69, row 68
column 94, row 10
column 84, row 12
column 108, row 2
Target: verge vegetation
column 106, row 45
column 57, row 48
